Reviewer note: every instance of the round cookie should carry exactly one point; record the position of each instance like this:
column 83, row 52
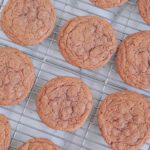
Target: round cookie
column 5, row 133
column 16, row 76
column 87, row 42
column 108, row 3
column 28, row 22
column 133, row 60
column 64, row 103
column 144, row 9
column 124, row 120
column 38, row 143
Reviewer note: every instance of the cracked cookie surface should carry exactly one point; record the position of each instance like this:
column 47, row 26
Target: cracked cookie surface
column 108, row 3
column 16, row 76
column 144, row 9
column 64, row 103
column 5, row 134
column 87, row 42
column 133, row 60
column 124, row 120
column 28, row 22
column 38, row 144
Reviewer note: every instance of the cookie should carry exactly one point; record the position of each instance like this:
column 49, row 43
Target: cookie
column 144, row 9
column 16, row 76
column 87, row 42
column 108, row 3
column 133, row 60
column 5, row 133
column 64, row 103
column 124, row 120
column 38, row 143
column 28, row 22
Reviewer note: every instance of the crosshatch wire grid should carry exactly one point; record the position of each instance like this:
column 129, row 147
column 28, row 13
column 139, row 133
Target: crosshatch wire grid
column 49, row 63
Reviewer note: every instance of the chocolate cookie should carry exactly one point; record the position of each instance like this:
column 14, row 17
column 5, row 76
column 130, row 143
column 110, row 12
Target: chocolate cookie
column 124, row 120
column 108, row 3
column 28, row 22
column 144, row 9
column 38, row 144
column 64, row 103
column 16, row 76
column 87, row 42
column 5, row 130
column 133, row 60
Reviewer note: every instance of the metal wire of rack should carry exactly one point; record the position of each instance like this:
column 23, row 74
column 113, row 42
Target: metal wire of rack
column 49, row 63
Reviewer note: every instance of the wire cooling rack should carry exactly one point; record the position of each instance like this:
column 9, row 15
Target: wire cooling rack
column 49, row 63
